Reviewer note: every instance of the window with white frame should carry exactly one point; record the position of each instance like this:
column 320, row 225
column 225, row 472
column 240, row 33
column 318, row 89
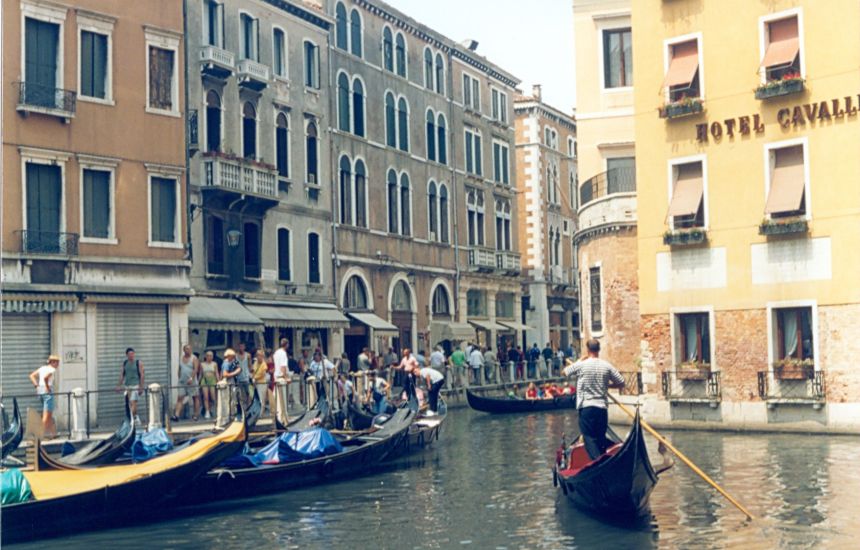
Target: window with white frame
column 500, row 105
column 44, row 202
column 475, row 217
column 312, row 65
column 249, row 37
column 402, row 124
column 251, row 240
column 793, row 340
column 390, row 120
column 571, row 147
column 279, row 52
column 399, row 203
column 440, row 74
column 503, row 224
column 441, row 139
column 216, row 244
column 393, row 202
column 355, row 294
column 282, row 144
column 405, row 205
column 687, row 204
column 782, row 51
column 432, row 210
column 476, row 303
column 444, row 229
column 314, row 275
column 312, row 153
column 441, row 302
column 595, row 297
column 683, row 78
column 400, row 54
column 501, row 167
column 213, row 121
column 213, row 23
column 474, row 152
column 43, row 55
column 571, row 189
column 95, row 57
column 358, row 122
column 285, row 261
column 786, row 180
column 387, row 49
column 428, row 68
column 617, row 58
column 341, row 27
column 431, row 134
column 356, row 42
column 98, row 202
column 471, row 92
column 249, row 130
column 692, row 339
column 353, row 192
column 343, row 102
column 164, row 219
column 162, row 71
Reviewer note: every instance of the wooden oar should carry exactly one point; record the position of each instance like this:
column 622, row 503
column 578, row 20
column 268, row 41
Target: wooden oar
column 683, row 458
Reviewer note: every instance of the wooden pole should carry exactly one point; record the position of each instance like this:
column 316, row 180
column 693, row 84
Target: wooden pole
column 683, row 458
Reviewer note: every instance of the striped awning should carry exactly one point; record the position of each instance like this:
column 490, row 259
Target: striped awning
column 22, row 302
column 294, row 316
column 379, row 325
column 221, row 314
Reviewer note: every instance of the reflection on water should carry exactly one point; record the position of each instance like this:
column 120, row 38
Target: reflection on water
column 487, row 485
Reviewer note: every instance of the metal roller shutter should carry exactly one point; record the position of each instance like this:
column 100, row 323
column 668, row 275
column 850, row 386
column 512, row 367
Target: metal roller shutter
column 26, row 343
column 121, row 326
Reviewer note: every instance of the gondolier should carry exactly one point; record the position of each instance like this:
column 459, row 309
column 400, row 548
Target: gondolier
column 593, row 377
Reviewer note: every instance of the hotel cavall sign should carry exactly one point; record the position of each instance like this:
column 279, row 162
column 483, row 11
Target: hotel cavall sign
column 787, row 117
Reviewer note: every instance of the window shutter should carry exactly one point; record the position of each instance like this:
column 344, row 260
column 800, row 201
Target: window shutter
column 87, row 61
column 100, row 45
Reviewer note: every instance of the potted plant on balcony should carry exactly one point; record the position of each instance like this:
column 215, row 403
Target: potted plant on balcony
column 682, row 107
column 790, row 83
column 792, row 368
column 693, row 370
column 783, row 226
column 686, row 236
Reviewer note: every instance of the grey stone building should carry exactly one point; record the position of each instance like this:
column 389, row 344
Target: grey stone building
column 260, row 204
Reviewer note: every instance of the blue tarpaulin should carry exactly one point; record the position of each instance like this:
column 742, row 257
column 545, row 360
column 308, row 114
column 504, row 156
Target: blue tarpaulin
column 14, row 487
column 289, row 447
column 150, row 444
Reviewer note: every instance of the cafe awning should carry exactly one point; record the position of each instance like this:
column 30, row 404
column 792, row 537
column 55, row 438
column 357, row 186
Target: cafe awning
column 515, row 325
column 293, row 316
column 687, row 194
column 783, row 45
column 786, row 186
column 221, row 314
column 379, row 325
column 486, row 324
column 450, row 330
column 683, row 66
column 14, row 302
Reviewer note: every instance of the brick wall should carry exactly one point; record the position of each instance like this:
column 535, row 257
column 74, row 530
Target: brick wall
column 839, row 350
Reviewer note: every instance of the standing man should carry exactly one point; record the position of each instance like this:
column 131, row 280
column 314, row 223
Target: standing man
column 434, row 380
column 594, row 377
column 422, row 360
column 409, row 367
column 491, row 362
column 458, row 362
column 547, row 359
column 364, row 359
column 513, row 359
column 131, row 378
column 43, row 380
column 321, row 369
column 533, row 355
column 282, row 361
column 476, row 361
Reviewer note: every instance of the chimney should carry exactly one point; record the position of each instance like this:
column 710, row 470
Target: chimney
column 536, row 91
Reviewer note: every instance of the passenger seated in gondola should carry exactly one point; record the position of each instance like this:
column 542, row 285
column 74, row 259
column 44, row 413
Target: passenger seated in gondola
column 531, row 392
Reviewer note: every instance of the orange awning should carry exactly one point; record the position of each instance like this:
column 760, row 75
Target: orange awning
column 786, row 186
column 784, row 44
column 688, row 191
column 683, row 66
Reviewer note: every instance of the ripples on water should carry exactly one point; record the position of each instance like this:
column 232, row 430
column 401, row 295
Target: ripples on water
column 487, row 484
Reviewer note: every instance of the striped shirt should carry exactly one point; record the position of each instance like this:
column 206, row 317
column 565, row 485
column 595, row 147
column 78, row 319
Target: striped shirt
column 592, row 379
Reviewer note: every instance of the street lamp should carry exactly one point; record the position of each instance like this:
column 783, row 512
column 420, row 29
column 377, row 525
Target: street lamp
column 233, row 237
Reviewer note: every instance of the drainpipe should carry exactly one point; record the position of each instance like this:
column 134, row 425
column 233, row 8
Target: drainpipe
column 188, row 219
column 332, row 172
column 453, row 204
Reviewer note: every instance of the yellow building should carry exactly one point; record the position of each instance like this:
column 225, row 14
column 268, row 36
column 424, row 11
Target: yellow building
column 749, row 214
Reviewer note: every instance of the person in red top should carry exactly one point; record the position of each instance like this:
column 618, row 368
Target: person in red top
column 531, row 392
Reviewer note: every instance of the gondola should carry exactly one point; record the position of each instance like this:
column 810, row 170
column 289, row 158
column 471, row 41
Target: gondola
column 69, row 501
column 13, row 433
column 359, row 417
column 254, row 410
column 360, row 454
column 426, row 429
column 94, row 453
column 617, row 484
column 499, row 405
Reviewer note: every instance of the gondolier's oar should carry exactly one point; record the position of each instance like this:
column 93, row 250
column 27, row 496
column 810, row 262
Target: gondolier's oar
column 683, row 458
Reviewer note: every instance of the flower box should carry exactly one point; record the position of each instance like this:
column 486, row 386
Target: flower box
column 785, row 226
column 693, row 371
column 792, row 369
column 681, row 108
column 683, row 237
column 777, row 88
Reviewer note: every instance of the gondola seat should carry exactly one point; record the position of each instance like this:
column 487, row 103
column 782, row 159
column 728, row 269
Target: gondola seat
column 579, row 459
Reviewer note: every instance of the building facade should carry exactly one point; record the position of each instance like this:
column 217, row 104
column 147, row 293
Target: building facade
column 748, row 211
column 421, row 175
column 95, row 255
column 258, row 96
column 547, row 183
column 605, row 238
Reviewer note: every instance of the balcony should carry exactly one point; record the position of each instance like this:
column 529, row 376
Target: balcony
column 482, row 259
column 692, row 385
column 615, row 180
column 252, row 75
column 808, row 388
column 48, row 242
column 561, row 277
column 36, row 98
column 507, row 261
column 216, row 62
column 236, row 175
column 632, row 383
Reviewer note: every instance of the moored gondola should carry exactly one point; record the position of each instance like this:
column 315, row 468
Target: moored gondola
column 501, row 405
column 427, row 429
column 13, row 433
column 617, row 484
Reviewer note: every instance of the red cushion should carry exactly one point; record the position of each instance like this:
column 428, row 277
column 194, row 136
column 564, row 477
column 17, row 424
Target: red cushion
column 579, row 459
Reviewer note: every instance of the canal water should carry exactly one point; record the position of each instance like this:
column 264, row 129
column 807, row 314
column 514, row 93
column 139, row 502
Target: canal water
column 487, row 484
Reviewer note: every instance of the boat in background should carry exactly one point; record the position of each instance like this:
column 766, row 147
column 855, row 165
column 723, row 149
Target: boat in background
column 13, row 433
column 502, row 405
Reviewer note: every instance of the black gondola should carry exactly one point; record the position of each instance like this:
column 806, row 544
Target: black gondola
column 426, row 429
column 499, row 405
column 94, row 453
column 13, row 433
column 359, row 417
column 617, row 484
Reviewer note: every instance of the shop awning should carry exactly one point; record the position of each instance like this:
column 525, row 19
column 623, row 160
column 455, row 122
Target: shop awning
column 488, row 325
column 14, row 302
column 378, row 324
column 221, row 314
column 684, row 64
column 450, row 330
column 283, row 315
column 515, row 325
column 784, row 45
column 136, row 299
column 786, row 186
column 687, row 194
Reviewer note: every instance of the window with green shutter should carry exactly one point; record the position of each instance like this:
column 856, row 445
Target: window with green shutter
column 93, row 64
column 163, row 210
column 97, row 204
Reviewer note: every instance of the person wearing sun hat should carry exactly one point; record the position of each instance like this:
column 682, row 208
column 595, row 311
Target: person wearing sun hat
column 43, row 380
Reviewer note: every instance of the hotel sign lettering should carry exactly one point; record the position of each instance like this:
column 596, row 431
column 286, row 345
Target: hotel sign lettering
column 787, row 117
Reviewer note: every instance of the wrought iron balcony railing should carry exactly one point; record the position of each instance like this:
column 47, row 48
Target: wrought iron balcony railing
column 803, row 389
column 679, row 385
column 632, row 383
column 614, row 180
column 49, row 242
column 44, row 99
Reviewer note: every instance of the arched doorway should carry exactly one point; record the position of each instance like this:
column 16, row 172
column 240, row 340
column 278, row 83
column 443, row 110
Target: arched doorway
column 402, row 315
column 355, row 298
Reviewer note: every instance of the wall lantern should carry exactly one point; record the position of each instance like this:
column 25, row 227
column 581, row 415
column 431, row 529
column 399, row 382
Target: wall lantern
column 233, row 237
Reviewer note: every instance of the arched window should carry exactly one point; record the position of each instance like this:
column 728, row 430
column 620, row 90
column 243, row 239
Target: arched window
column 442, row 141
column 360, row 194
column 432, row 210
column 443, row 213
column 282, row 141
column 440, row 74
column 401, row 298
column 340, row 26
column 213, row 121
column 400, row 43
column 507, row 232
column 311, row 153
column 393, row 217
column 251, row 236
column 390, row 121
column 428, row 69
column 357, row 107
column 475, row 217
column 355, row 295
column 279, row 49
column 343, row 102
column 284, row 261
column 431, row 135
column 441, row 303
column 405, row 206
column 249, row 130
column 503, row 225
column 345, row 190
column 387, row 50
column 355, row 32
column 403, row 124
column 215, row 245
column 314, row 258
